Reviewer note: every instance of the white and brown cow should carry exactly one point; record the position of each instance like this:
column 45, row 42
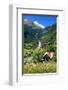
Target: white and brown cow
column 47, row 56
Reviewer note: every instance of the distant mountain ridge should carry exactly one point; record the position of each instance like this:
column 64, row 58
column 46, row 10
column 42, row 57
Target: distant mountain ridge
column 33, row 32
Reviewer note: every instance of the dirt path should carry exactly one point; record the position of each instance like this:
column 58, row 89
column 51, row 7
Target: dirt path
column 39, row 44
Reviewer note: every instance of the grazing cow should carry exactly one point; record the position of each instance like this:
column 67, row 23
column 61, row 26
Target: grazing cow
column 47, row 56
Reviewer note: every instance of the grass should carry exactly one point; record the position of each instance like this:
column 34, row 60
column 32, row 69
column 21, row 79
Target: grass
column 49, row 67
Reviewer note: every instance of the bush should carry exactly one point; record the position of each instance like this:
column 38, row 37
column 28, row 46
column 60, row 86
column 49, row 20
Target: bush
column 54, row 59
column 28, row 52
column 51, row 48
column 37, row 55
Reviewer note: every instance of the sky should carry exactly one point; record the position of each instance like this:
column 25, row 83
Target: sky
column 41, row 20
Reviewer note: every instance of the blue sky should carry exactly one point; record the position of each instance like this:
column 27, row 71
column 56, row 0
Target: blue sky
column 44, row 20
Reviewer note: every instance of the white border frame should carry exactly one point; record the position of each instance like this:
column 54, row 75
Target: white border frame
column 15, row 46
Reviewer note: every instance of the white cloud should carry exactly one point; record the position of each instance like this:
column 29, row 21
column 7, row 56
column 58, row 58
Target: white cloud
column 38, row 24
column 25, row 20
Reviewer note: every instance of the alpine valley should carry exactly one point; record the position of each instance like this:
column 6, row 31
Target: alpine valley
column 39, row 39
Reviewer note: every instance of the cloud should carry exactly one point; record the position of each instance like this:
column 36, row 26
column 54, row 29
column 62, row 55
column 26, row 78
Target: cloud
column 38, row 24
column 25, row 20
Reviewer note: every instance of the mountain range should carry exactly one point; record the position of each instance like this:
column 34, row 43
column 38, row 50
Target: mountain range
column 34, row 32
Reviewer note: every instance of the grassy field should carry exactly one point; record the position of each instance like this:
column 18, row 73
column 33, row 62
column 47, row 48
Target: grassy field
column 49, row 67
